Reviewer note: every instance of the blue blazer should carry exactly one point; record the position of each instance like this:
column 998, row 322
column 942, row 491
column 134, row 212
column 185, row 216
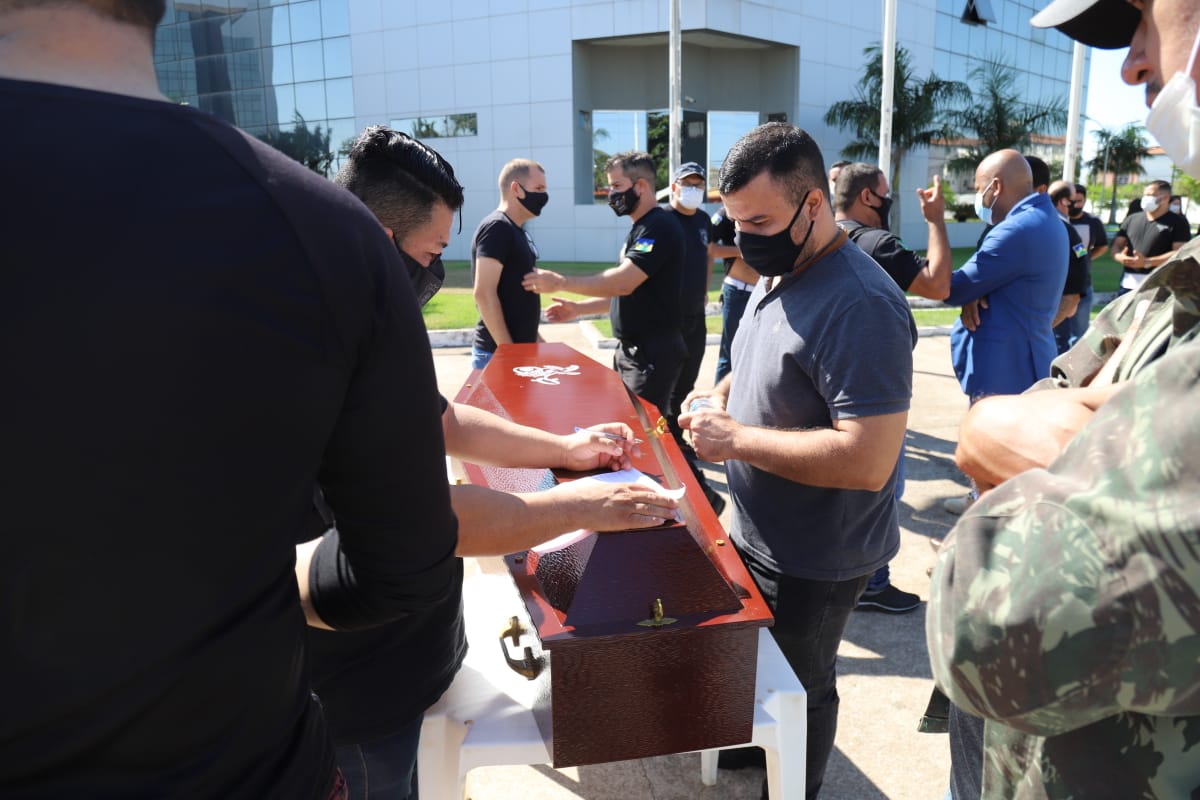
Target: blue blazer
column 1021, row 268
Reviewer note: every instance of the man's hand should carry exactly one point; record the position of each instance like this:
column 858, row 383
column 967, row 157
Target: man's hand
column 970, row 313
column 562, row 310
column 1004, row 435
column 713, row 432
column 591, row 449
column 598, row 506
column 1130, row 258
column 543, row 281
column 933, row 204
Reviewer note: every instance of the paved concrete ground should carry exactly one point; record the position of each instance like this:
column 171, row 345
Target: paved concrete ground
column 883, row 668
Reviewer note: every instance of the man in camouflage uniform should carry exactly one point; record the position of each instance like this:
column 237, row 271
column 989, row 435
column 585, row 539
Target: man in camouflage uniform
column 1066, row 603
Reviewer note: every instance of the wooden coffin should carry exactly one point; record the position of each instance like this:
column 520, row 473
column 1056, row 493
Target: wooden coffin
column 647, row 638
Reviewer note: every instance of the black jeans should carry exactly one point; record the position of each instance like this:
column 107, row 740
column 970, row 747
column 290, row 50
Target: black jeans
column 695, row 335
column 810, row 617
column 649, row 369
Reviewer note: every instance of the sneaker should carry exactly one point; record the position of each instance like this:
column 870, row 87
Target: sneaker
column 957, row 505
column 890, row 600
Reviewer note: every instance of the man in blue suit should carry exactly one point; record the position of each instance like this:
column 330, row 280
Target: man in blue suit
column 1017, row 275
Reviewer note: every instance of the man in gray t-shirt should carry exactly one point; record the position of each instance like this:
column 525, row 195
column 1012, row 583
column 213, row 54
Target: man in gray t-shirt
column 811, row 420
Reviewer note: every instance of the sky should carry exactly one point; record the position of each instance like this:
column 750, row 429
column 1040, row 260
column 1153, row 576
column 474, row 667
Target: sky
column 1111, row 103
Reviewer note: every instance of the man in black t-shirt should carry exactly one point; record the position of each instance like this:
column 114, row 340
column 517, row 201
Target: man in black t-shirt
column 219, row 329
column 502, row 252
column 373, row 691
column 1148, row 238
column 861, row 203
column 687, row 193
column 1095, row 241
column 1079, row 266
column 645, row 287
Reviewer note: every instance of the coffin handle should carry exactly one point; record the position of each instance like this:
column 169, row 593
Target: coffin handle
column 528, row 666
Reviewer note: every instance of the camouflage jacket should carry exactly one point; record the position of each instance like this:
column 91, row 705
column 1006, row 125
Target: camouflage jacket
column 1065, row 608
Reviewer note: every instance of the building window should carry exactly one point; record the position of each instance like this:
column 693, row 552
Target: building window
column 450, row 125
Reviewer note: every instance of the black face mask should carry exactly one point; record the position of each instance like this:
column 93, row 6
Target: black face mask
column 425, row 280
column 885, row 205
column 625, row 202
column 534, row 202
column 1076, row 211
column 776, row 254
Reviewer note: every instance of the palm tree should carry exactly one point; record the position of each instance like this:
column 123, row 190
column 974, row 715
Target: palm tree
column 918, row 115
column 1119, row 153
column 995, row 117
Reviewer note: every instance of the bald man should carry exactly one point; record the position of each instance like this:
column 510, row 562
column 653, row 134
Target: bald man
column 1019, row 270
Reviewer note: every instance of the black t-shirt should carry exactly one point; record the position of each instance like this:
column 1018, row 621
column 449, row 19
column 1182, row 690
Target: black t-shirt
column 1153, row 237
column 500, row 238
column 194, row 330
column 888, row 251
column 654, row 309
column 1091, row 231
column 723, row 232
column 369, row 683
column 1079, row 264
column 696, row 232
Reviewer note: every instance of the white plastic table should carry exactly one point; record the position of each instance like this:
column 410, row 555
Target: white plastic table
column 485, row 717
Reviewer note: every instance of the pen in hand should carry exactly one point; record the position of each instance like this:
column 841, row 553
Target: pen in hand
column 607, row 435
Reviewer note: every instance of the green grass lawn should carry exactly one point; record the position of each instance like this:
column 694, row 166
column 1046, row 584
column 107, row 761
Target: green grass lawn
column 454, row 307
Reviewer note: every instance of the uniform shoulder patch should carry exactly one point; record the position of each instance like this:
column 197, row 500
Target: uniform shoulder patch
column 1080, row 250
column 643, row 245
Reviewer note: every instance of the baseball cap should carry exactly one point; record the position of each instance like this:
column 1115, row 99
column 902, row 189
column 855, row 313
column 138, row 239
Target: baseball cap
column 1107, row 24
column 687, row 168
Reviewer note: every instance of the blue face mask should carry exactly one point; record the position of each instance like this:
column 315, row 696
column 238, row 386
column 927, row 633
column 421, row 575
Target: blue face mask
column 982, row 211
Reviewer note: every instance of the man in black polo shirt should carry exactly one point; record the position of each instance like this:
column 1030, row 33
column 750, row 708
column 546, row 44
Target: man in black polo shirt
column 502, row 252
column 1148, row 238
column 644, row 288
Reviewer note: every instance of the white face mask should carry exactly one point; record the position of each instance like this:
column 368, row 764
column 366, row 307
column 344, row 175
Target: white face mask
column 1149, row 204
column 690, row 197
column 1174, row 119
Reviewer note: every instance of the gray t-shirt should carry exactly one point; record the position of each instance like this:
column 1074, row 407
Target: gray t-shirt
column 833, row 342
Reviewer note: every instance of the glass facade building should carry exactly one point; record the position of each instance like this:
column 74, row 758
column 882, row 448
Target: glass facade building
column 567, row 82
column 261, row 65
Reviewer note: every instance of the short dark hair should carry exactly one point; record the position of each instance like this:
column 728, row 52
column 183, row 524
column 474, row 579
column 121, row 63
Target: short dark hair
column 141, row 13
column 787, row 154
column 1081, row 189
column 851, row 181
column 1039, row 171
column 399, row 178
column 1160, row 186
column 633, row 164
column 842, row 163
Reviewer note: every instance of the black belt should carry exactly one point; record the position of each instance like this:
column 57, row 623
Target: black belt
column 1139, row 270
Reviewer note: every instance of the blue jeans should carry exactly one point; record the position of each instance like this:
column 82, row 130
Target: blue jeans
column 810, row 617
column 480, row 358
column 383, row 769
column 1067, row 332
column 733, row 305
